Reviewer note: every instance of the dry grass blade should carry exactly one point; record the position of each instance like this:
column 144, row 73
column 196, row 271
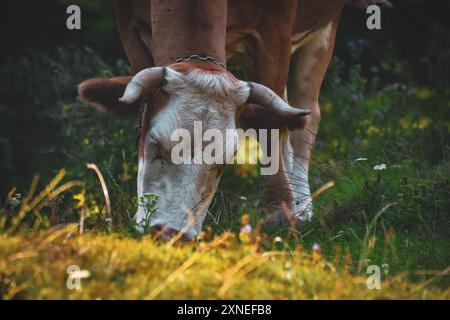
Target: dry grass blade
column 243, row 267
column 30, row 203
column 174, row 275
column 323, row 188
column 66, row 230
column 59, row 190
column 94, row 167
column 422, row 285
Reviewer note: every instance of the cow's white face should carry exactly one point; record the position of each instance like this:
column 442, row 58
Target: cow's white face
column 186, row 190
column 190, row 96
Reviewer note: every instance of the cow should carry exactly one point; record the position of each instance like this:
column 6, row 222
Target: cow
column 178, row 51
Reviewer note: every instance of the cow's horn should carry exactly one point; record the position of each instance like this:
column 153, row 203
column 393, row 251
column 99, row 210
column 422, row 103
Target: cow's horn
column 265, row 97
column 145, row 79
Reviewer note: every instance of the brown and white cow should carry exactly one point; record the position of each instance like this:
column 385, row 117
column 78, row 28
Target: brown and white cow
column 278, row 36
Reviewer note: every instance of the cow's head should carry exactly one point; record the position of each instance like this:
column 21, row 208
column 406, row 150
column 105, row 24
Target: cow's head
column 175, row 97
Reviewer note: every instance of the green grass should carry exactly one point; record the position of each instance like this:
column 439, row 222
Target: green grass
column 397, row 218
column 394, row 219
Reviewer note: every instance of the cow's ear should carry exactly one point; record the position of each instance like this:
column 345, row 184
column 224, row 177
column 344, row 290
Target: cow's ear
column 104, row 94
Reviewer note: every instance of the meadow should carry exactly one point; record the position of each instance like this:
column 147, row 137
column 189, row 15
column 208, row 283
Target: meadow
column 380, row 173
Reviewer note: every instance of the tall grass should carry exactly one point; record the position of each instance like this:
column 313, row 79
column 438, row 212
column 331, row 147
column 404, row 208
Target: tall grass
column 395, row 218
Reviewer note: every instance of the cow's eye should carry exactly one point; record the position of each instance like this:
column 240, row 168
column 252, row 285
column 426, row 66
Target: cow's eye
column 160, row 154
column 158, row 160
column 158, row 150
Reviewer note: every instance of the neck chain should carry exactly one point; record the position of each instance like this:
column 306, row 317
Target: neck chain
column 201, row 58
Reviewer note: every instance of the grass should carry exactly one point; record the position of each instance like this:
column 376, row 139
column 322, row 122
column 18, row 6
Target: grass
column 117, row 267
column 397, row 218
column 359, row 222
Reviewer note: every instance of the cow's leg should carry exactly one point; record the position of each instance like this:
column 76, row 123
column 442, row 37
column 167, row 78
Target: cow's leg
column 308, row 67
column 271, row 43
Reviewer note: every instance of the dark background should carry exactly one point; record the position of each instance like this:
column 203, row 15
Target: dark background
column 41, row 62
column 414, row 32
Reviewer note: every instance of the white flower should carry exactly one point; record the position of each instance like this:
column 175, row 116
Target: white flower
column 316, row 246
column 277, row 239
column 246, row 229
column 361, row 159
column 380, row 167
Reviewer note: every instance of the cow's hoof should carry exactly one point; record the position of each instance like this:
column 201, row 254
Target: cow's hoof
column 279, row 217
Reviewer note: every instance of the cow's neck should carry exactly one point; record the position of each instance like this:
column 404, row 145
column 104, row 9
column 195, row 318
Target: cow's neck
column 185, row 27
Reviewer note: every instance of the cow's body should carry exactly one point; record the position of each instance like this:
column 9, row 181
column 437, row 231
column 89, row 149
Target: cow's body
column 278, row 36
column 152, row 33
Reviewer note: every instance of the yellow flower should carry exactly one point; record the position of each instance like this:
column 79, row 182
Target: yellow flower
column 201, row 236
column 423, row 93
column 125, row 176
column 81, row 200
column 245, row 219
column 423, row 123
column 249, row 151
column 95, row 208
column 372, row 130
column 404, row 123
column 245, row 237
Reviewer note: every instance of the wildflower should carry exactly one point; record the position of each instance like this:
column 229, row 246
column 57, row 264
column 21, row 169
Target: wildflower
column 316, row 255
column 201, row 236
column 245, row 219
column 277, row 239
column 361, row 159
column 404, row 123
column 245, row 237
column 422, row 123
column 380, row 167
column 125, row 176
column 246, row 229
column 245, row 222
column 372, row 130
column 15, row 200
column 81, row 200
column 424, row 93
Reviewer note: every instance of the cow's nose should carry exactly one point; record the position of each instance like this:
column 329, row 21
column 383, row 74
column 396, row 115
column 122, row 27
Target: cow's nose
column 166, row 234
